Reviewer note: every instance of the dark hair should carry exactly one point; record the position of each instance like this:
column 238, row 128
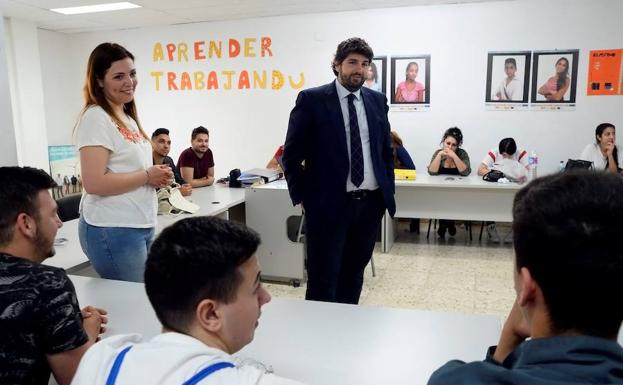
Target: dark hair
column 510, row 60
column 159, row 131
column 567, row 232
column 562, row 77
column 348, row 46
column 454, row 132
column 99, row 62
column 19, row 187
column 407, row 68
column 599, row 131
column 375, row 72
column 194, row 259
column 199, row 130
column 508, row 146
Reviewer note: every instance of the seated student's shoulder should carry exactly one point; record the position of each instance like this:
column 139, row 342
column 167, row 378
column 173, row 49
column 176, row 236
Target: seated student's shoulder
column 249, row 374
column 457, row 372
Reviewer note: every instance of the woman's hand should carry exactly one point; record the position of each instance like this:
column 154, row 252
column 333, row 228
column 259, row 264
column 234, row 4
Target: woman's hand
column 609, row 148
column 159, row 175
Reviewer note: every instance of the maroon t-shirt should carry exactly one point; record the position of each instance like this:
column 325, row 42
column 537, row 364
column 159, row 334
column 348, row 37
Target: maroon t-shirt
column 188, row 158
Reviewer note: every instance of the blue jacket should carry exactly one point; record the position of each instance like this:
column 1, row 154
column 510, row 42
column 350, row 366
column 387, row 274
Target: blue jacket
column 561, row 360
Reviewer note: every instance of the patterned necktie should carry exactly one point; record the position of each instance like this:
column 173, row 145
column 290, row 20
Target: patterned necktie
column 356, row 153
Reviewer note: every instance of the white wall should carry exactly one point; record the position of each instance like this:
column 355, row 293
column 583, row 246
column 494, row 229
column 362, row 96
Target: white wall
column 26, row 89
column 247, row 125
column 8, row 148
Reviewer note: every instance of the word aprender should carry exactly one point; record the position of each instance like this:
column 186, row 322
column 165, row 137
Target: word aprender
column 214, row 78
column 203, row 50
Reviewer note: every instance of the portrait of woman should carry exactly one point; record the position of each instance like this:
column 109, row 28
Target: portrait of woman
column 410, row 79
column 410, row 90
column 372, row 78
column 559, row 87
column 556, row 86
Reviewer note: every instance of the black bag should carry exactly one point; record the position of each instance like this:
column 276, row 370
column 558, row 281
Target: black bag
column 493, row 176
column 233, row 178
column 578, row 164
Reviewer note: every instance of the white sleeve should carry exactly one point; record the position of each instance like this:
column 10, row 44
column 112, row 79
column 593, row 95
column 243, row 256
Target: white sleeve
column 517, row 92
column 95, row 129
column 619, row 157
column 587, row 153
column 499, row 90
column 489, row 160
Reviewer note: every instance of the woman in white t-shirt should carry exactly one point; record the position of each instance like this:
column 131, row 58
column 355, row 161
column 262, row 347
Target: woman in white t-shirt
column 603, row 153
column 119, row 206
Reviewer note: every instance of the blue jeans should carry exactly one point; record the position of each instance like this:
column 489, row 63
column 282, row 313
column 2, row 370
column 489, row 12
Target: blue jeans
column 116, row 252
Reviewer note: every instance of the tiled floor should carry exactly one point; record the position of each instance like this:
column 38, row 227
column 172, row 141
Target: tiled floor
column 454, row 275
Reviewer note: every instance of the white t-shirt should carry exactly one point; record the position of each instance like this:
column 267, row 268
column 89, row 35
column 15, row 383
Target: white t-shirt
column 593, row 153
column 137, row 208
column 511, row 91
column 168, row 359
column 494, row 156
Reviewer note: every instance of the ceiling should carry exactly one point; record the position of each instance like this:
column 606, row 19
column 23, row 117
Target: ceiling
column 168, row 12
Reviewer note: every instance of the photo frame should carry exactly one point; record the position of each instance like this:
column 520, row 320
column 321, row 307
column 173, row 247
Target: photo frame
column 500, row 87
column 378, row 71
column 547, row 87
column 407, row 88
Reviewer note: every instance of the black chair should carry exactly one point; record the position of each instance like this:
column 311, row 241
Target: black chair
column 69, row 207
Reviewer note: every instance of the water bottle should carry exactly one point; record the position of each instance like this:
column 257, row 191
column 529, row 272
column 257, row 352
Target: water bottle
column 561, row 166
column 533, row 161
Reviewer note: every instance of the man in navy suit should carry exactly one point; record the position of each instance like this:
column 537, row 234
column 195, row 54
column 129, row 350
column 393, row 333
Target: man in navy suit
column 339, row 165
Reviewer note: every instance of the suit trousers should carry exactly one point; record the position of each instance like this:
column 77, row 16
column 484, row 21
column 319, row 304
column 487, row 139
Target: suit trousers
column 340, row 245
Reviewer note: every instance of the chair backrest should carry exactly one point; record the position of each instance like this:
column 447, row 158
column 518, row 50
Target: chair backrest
column 69, row 207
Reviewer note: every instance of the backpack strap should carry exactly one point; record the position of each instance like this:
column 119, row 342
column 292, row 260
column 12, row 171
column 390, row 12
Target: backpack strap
column 207, row 371
column 114, row 371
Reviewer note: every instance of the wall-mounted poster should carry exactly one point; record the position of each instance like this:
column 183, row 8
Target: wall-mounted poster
column 508, row 75
column 554, row 79
column 604, row 72
column 377, row 73
column 65, row 170
column 410, row 80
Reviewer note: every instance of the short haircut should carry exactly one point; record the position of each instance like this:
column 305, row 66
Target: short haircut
column 194, row 259
column 19, row 187
column 159, row 131
column 199, row 130
column 508, row 146
column 348, row 46
column 510, row 60
column 454, row 132
column 567, row 231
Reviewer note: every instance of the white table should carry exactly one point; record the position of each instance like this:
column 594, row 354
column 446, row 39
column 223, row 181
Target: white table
column 324, row 343
column 214, row 200
column 268, row 208
column 450, row 197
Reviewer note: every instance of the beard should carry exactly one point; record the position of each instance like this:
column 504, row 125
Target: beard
column 43, row 246
column 350, row 82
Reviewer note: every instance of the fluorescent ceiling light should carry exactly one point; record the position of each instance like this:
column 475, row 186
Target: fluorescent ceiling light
column 95, row 8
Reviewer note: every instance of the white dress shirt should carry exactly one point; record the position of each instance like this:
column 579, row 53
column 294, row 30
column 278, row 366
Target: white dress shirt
column 369, row 179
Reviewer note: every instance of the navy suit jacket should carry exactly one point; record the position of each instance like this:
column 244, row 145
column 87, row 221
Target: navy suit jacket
column 316, row 135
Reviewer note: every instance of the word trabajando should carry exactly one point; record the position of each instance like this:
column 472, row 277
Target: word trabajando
column 211, row 51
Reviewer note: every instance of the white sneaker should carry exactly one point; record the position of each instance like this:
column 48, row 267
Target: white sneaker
column 509, row 237
column 492, row 232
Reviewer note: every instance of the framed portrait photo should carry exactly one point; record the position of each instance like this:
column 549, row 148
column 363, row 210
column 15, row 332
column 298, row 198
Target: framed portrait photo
column 377, row 74
column 508, row 77
column 554, row 76
column 410, row 79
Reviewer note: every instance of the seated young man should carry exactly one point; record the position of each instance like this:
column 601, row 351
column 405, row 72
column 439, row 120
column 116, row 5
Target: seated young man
column 196, row 163
column 161, row 145
column 507, row 149
column 568, row 269
column 42, row 329
column 203, row 280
